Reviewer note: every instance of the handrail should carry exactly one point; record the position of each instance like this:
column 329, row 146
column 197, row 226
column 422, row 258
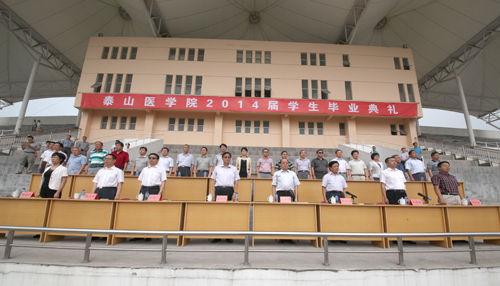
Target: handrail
column 248, row 235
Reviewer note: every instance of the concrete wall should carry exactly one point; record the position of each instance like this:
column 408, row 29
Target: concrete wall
column 46, row 120
column 487, row 134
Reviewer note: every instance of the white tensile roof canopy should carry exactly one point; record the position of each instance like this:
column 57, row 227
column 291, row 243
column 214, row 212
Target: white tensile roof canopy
column 445, row 36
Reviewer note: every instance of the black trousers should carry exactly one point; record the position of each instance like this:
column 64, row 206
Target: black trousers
column 224, row 191
column 337, row 194
column 394, row 195
column 287, row 193
column 47, row 193
column 184, row 171
column 106, row 193
column 151, row 190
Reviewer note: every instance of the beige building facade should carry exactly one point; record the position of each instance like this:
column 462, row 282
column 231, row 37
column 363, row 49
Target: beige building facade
column 247, row 93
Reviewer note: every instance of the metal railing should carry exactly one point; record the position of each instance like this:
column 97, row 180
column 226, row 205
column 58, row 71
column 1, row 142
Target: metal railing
column 478, row 153
column 248, row 235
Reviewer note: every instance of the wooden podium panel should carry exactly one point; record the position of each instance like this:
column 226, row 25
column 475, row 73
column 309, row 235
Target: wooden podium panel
column 36, row 180
column 23, row 212
column 474, row 219
column 416, row 219
column 368, row 192
column 135, row 215
column 245, row 187
column 186, row 189
column 352, row 218
column 95, row 214
column 413, row 188
column 429, row 188
column 285, row 217
column 216, row 217
column 309, row 191
column 262, row 189
column 130, row 188
column 82, row 183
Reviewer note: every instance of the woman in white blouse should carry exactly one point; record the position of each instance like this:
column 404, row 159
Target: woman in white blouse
column 244, row 164
column 54, row 177
column 375, row 167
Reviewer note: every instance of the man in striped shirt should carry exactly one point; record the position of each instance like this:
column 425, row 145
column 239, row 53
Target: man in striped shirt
column 446, row 185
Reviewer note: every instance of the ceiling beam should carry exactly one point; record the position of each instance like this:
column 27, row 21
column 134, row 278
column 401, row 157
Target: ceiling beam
column 157, row 24
column 351, row 25
column 37, row 44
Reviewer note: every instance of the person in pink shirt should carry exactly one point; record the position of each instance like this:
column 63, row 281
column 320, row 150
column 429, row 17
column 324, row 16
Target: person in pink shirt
column 265, row 165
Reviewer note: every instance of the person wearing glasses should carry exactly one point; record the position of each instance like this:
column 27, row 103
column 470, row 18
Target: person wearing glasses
column 152, row 177
column 226, row 178
column 109, row 180
column 319, row 165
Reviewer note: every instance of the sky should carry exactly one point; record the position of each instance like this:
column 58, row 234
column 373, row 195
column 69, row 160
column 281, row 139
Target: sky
column 64, row 107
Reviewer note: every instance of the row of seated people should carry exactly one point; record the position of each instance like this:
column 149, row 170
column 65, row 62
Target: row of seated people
column 109, row 179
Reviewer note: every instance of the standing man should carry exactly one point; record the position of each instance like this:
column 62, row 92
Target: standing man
column 319, row 165
column 83, row 145
column 152, row 177
column 357, row 170
column 343, row 165
column 226, row 178
column 393, row 181
column 432, row 165
column 265, row 165
column 58, row 147
column 203, row 165
column 30, row 149
column 141, row 161
column 334, row 183
column 185, row 162
column 67, row 144
column 121, row 156
column 76, row 162
column 417, row 149
column 166, row 162
column 285, row 182
column 284, row 155
column 109, row 180
column 96, row 158
column 218, row 158
column 415, row 167
column 404, row 155
column 446, row 185
column 45, row 158
column 303, row 166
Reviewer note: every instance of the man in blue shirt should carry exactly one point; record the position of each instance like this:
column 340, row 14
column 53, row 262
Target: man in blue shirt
column 76, row 162
column 417, row 149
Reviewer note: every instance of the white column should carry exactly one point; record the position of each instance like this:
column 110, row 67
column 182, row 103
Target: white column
column 26, row 98
column 465, row 109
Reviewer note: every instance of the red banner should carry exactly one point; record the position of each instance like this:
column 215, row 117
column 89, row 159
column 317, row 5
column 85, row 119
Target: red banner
column 246, row 104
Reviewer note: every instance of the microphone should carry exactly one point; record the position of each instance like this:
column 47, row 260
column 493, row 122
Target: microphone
column 352, row 195
column 426, row 198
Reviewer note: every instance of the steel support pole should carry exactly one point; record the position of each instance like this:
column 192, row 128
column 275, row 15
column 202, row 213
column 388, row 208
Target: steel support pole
column 26, row 98
column 472, row 139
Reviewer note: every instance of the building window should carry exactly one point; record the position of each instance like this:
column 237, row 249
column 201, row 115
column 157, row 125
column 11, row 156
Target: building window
column 201, row 55
column 109, row 81
column 248, row 57
column 402, row 94
column 124, row 53
column 168, row 84
column 114, row 53
column 258, row 57
column 171, row 54
column 345, row 61
column 105, row 53
column 257, row 83
column 348, row 90
column 319, row 126
column 201, row 123
column 189, row 84
column 256, row 126
column 267, row 57
column 402, row 129
column 190, row 124
column 237, row 88
column 411, row 94
column 322, row 59
column 303, row 59
column 114, row 121
column 178, row 84
column 310, row 128
column 305, row 88
column 123, row 122
column 171, row 124
column 248, row 87
column 133, row 53
column 104, row 122
column 267, row 87
column 198, row 83
column 248, row 126
column 265, row 127
column 132, row 123
column 302, row 128
column 128, row 83
column 394, row 129
column 118, row 82
column 239, row 56
column 182, row 54
column 406, row 64
column 314, row 89
column 397, row 63
column 342, row 129
column 191, row 54
column 312, row 59
column 324, row 89
column 182, row 122
column 238, row 126
column 98, row 82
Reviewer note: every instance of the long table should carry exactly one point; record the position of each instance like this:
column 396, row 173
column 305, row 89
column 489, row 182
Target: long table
column 23, row 212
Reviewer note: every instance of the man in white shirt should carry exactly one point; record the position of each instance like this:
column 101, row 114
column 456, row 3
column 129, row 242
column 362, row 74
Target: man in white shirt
column 357, row 170
column 303, row 166
column 109, row 180
column 343, row 165
column 333, row 184
column 404, row 155
column 393, row 181
column 185, row 162
column 152, row 177
column 46, row 155
column 166, row 162
column 415, row 167
column 218, row 157
column 226, row 178
column 285, row 182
